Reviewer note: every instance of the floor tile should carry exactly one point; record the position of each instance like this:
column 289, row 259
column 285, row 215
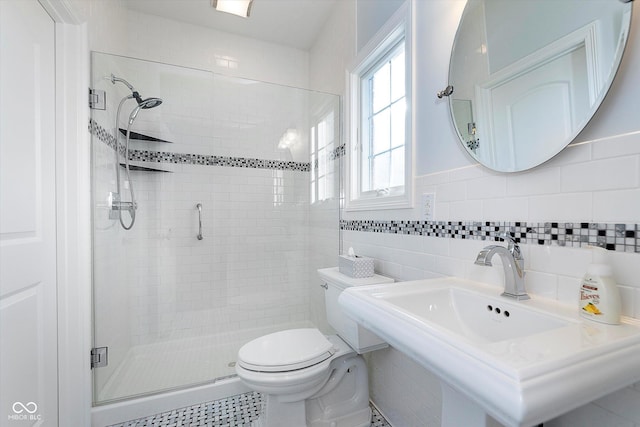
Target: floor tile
column 235, row 411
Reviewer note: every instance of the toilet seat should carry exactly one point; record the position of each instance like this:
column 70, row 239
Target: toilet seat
column 286, row 351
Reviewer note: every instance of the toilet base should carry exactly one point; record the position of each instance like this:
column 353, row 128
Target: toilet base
column 343, row 401
column 346, row 401
column 294, row 414
column 361, row 418
column 276, row 413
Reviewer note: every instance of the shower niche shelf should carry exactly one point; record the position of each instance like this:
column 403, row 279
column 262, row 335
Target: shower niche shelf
column 142, row 137
column 144, row 167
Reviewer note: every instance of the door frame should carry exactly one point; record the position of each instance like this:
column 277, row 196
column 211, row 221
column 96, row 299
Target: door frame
column 73, row 212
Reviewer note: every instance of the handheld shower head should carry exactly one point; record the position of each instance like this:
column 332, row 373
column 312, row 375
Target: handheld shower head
column 143, row 105
column 150, row 103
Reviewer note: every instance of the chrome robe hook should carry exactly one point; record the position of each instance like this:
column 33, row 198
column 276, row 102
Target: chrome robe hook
column 447, row 91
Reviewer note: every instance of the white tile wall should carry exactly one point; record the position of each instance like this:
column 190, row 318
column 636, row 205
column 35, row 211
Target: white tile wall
column 238, row 276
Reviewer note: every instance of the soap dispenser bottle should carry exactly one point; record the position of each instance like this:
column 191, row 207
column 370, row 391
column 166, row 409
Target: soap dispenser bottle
column 599, row 294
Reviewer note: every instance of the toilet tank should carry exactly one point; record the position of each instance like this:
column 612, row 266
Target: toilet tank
column 360, row 339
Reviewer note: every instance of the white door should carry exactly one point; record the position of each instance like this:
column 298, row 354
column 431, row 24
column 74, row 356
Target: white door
column 535, row 112
column 28, row 330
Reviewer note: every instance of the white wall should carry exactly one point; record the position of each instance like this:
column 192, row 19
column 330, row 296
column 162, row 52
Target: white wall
column 598, row 181
column 115, row 29
column 371, row 15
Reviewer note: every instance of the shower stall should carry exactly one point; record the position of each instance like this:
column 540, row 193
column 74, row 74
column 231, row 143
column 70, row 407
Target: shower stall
column 236, row 206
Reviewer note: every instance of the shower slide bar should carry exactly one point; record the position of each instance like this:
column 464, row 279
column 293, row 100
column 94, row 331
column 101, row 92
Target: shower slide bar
column 199, row 207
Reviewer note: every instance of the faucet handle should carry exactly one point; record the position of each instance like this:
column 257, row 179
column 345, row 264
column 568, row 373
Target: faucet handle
column 512, row 245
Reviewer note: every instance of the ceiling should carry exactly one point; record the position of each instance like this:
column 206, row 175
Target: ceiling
column 294, row 23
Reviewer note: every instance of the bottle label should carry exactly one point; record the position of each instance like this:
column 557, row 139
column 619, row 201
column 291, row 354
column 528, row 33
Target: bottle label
column 590, row 298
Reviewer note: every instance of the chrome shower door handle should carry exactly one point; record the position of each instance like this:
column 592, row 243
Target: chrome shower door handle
column 199, row 207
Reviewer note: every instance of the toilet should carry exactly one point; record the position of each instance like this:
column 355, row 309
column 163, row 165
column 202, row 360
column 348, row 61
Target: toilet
column 308, row 379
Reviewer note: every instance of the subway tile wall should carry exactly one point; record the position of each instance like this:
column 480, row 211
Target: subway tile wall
column 246, row 271
column 250, row 269
column 257, row 222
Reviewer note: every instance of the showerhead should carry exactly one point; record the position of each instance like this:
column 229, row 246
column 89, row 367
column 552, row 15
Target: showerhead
column 150, row 103
column 143, row 103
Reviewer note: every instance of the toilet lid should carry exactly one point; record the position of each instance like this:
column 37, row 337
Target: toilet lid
column 285, row 351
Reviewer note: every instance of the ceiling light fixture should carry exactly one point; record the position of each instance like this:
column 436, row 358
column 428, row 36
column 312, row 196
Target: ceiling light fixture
column 236, row 7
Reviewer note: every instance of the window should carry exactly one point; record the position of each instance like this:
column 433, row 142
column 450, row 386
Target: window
column 383, row 124
column 379, row 118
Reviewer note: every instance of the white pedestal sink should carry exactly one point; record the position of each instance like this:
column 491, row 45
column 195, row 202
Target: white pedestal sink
column 521, row 362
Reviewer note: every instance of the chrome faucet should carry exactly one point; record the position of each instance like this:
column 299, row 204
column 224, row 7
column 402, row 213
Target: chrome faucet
column 513, row 264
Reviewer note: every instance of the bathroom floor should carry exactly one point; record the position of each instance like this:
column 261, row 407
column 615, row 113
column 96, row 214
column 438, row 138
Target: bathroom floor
column 235, row 411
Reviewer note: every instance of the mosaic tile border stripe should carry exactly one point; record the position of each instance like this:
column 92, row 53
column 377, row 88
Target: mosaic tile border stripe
column 195, row 159
column 104, row 136
column 613, row 237
column 338, row 152
column 334, row 154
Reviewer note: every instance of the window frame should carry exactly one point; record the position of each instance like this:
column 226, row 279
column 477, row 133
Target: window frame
column 397, row 30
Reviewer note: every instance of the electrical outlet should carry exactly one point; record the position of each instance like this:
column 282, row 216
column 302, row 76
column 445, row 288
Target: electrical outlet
column 428, row 205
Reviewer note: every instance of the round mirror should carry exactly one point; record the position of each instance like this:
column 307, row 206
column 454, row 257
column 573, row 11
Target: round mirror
column 528, row 75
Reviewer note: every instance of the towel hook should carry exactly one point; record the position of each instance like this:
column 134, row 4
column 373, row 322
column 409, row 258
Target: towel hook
column 447, row 91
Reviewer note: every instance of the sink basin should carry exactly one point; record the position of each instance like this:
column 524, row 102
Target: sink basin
column 473, row 316
column 522, row 362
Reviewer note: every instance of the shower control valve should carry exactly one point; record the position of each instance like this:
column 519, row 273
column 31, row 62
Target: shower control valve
column 115, row 205
column 112, row 200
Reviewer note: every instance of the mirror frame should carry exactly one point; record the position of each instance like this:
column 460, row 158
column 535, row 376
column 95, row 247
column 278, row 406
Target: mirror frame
column 472, row 144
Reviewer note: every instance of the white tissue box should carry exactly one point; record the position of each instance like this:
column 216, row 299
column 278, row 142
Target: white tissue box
column 355, row 266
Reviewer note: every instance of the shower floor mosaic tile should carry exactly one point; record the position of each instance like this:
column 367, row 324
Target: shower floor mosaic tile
column 235, row 411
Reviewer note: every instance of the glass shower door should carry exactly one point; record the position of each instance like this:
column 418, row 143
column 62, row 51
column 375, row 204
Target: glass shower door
column 228, row 158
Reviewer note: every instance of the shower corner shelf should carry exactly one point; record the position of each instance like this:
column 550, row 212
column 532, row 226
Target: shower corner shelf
column 144, row 167
column 142, row 137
